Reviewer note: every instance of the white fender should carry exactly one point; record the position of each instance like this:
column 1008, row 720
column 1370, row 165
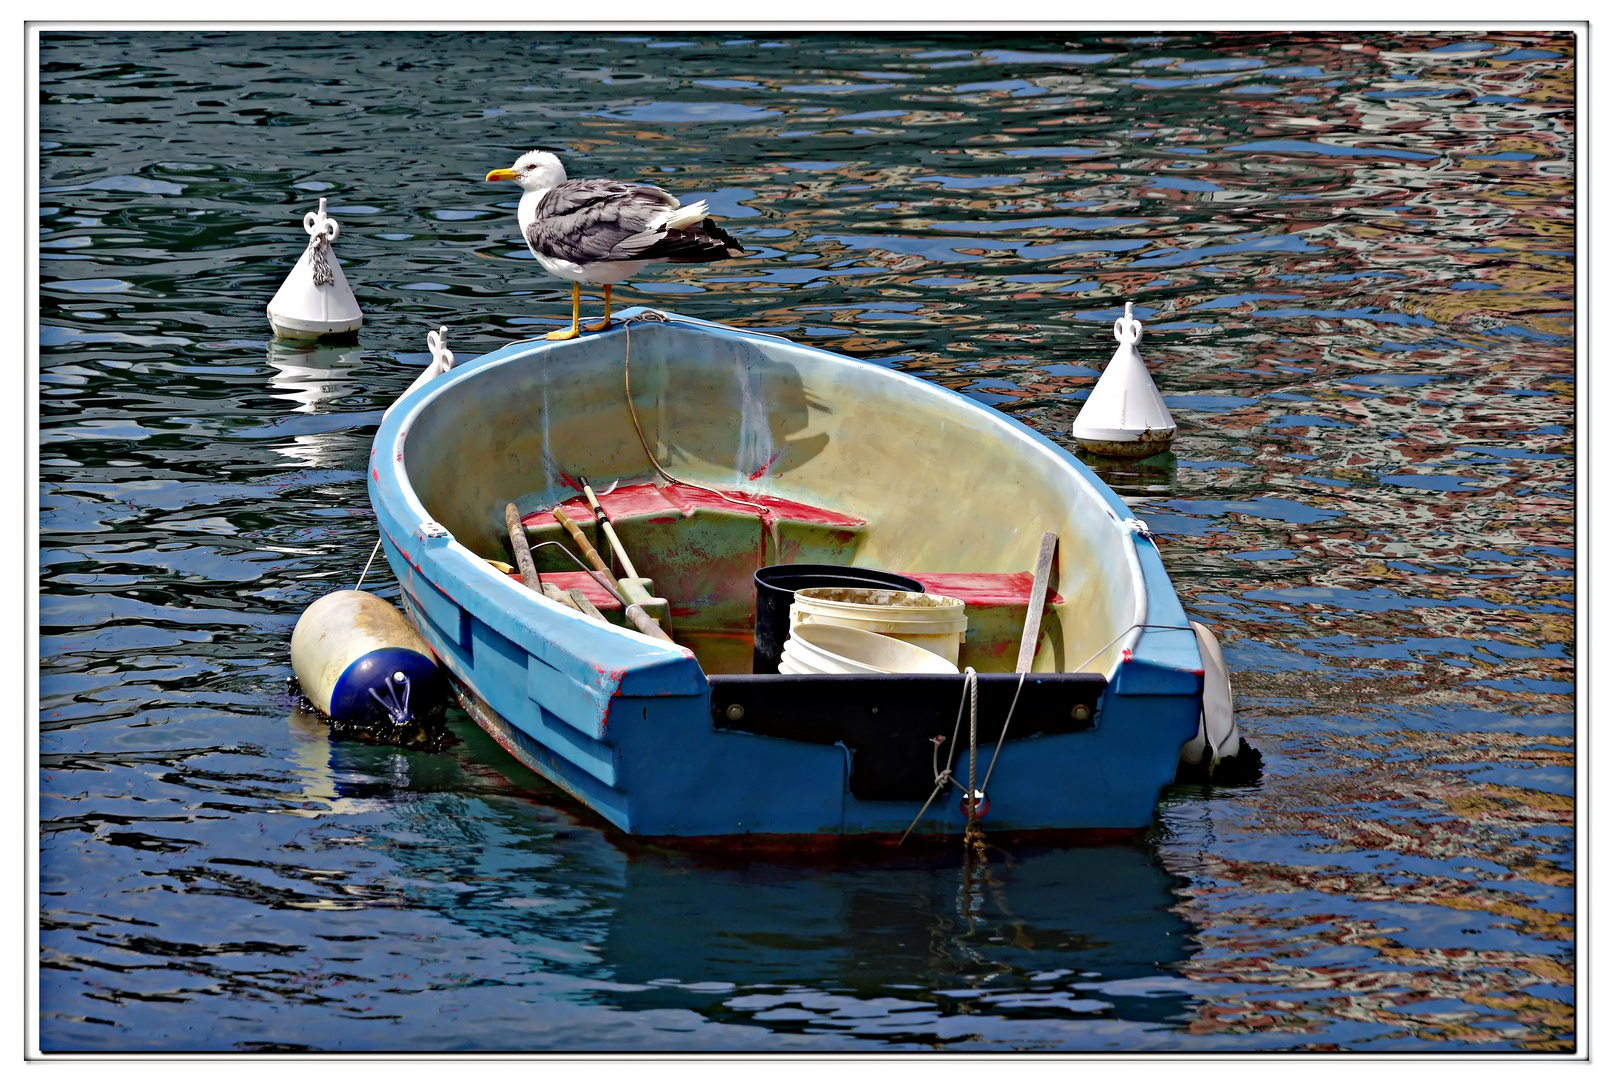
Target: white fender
column 1217, row 736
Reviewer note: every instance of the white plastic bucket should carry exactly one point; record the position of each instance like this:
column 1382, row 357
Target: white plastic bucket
column 822, row 649
column 926, row 620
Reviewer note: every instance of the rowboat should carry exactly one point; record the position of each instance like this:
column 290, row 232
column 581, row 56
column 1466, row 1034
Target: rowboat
column 714, row 451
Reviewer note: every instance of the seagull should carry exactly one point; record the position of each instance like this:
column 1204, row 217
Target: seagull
column 604, row 231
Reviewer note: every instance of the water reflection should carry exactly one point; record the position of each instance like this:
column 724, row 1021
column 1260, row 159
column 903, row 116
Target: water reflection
column 1130, row 477
column 313, row 375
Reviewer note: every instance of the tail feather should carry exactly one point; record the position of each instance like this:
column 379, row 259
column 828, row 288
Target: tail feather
column 686, row 216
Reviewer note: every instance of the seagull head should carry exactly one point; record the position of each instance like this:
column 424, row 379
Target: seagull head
column 534, row 171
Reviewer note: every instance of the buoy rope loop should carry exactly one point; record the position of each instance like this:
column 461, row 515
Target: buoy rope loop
column 321, row 233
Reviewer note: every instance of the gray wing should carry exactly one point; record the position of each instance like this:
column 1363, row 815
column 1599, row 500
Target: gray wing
column 588, row 221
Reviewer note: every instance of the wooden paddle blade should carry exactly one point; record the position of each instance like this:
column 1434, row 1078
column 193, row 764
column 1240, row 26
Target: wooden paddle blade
column 1042, row 582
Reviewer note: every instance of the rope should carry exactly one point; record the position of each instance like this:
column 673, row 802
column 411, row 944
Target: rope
column 991, row 770
column 946, row 776
column 321, row 233
column 973, row 838
column 769, row 525
column 368, row 564
column 975, row 834
column 317, row 245
column 972, row 748
column 396, row 710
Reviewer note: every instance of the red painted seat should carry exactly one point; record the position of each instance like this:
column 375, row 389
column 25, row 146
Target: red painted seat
column 702, row 551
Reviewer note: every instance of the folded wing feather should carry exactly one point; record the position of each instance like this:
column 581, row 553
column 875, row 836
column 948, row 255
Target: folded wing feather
column 589, row 221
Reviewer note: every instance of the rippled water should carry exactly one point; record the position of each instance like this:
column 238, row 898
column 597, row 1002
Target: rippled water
column 1354, row 256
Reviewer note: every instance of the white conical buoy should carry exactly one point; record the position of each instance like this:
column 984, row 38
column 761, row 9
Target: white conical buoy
column 1125, row 415
column 315, row 301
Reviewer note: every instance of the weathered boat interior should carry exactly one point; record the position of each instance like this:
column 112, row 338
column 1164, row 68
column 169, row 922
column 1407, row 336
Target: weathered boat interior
column 821, row 462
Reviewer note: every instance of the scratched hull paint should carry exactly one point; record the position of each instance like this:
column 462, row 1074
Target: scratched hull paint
column 624, row 722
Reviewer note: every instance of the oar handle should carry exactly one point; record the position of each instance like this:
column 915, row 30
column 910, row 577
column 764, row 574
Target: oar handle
column 522, row 549
column 645, row 624
column 608, row 529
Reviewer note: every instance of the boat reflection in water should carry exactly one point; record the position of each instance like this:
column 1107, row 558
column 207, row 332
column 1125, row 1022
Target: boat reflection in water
column 1042, row 932
column 894, row 946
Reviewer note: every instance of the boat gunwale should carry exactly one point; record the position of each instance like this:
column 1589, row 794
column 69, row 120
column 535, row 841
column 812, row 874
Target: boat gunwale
column 396, row 426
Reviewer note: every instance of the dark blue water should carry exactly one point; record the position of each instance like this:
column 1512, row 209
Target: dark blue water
column 1354, row 257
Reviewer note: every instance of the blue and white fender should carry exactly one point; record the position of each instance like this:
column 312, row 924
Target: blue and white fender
column 360, row 661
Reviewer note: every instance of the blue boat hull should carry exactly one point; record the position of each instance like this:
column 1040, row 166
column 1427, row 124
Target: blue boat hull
column 623, row 722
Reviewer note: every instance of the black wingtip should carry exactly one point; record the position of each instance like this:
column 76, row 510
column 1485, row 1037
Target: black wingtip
column 716, row 232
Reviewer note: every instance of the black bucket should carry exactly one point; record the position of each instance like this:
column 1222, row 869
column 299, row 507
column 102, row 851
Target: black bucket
column 774, row 598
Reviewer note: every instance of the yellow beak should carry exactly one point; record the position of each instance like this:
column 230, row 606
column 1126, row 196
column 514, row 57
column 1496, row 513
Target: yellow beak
column 502, row 174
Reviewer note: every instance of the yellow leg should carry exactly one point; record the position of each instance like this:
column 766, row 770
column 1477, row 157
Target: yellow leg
column 605, row 324
column 575, row 316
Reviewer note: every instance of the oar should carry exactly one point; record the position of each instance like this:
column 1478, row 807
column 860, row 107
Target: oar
column 579, row 601
column 608, row 529
column 645, row 623
column 1042, row 583
column 635, row 589
column 528, row 568
column 522, row 549
column 588, row 552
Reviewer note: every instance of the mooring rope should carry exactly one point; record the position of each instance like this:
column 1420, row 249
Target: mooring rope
column 947, row 776
column 368, row 564
column 317, row 246
column 975, row 834
column 321, row 233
